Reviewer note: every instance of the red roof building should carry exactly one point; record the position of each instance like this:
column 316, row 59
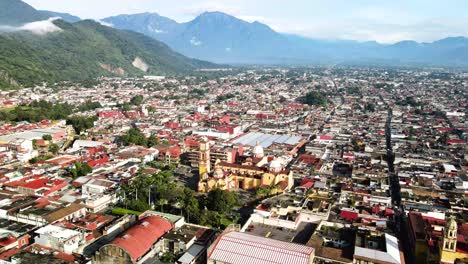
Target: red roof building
column 38, row 185
column 111, row 114
column 349, row 215
column 172, row 125
column 139, row 239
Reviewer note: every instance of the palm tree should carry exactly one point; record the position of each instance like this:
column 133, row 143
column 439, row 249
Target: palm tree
column 162, row 202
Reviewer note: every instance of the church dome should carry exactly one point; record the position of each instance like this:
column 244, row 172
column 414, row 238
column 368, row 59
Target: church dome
column 257, row 151
column 275, row 165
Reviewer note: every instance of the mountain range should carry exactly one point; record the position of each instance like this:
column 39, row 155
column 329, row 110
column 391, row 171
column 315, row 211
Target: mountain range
column 223, row 38
column 35, row 48
column 53, row 50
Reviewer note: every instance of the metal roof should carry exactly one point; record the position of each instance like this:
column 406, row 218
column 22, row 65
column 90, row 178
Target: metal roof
column 266, row 140
column 240, row 248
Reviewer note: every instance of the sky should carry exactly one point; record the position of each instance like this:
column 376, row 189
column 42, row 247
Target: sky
column 385, row 21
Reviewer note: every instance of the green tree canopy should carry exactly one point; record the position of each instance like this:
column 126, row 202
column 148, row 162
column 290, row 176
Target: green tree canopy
column 80, row 169
column 314, row 98
column 54, row 148
column 221, row 201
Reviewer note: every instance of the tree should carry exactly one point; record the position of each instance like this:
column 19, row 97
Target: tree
column 89, row 105
column 136, row 100
column 134, row 136
column 153, row 141
column 191, row 206
column 315, row 98
column 126, row 107
column 167, row 257
column 370, row 107
column 54, row 148
column 221, row 201
column 80, row 169
column 34, row 142
column 81, row 123
column 47, row 137
column 353, row 90
column 162, row 203
column 151, row 109
column 224, row 97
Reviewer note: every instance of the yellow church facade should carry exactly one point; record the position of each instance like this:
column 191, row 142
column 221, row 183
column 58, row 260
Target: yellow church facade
column 448, row 250
column 254, row 173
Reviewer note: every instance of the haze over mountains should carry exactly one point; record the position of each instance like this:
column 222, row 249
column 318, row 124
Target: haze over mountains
column 51, row 50
column 222, row 38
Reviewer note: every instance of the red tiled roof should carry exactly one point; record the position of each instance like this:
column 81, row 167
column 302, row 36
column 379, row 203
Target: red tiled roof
column 65, row 257
column 111, row 114
column 7, row 241
column 349, row 215
column 94, row 163
column 174, row 151
column 389, row 212
column 283, row 185
column 308, row 158
column 307, row 180
column 6, row 254
column 324, row 137
column 308, row 185
column 138, row 239
column 192, row 142
column 455, row 141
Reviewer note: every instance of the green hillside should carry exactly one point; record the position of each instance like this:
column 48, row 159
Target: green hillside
column 15, row 12
column 86, row 50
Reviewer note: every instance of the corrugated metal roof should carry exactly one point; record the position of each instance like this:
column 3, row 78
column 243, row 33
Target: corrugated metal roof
column 240, row 248
column 266, row 140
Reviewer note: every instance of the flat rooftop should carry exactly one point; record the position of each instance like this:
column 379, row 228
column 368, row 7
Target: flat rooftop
column 266, row 140
column 301, row 235
column 7, row 226
column 185, row 233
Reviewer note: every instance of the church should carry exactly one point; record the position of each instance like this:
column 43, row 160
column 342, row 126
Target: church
column 254, row 172
column 453, row 247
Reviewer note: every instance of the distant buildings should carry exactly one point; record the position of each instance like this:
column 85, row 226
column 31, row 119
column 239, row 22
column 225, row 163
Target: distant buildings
column 313, row 180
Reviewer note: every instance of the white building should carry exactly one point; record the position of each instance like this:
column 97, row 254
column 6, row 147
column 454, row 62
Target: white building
column 59, row 238
column 96, row 186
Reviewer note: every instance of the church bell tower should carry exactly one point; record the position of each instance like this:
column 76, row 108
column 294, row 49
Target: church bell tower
column 450, row 236
column 204, row 165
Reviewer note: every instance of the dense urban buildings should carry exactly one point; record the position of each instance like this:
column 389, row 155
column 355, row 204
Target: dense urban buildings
column 272, row 165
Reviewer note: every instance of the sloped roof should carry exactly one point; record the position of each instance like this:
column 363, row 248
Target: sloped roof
column 63, row 212
column 138, row 239
column 239, row 248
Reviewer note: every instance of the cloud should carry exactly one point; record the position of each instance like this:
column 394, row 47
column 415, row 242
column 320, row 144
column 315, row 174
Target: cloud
column 382, row 32
column 104, row 23
column 38, row 27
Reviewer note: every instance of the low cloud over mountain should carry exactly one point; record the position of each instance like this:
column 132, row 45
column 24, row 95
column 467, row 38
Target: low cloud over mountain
column 39, row 27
